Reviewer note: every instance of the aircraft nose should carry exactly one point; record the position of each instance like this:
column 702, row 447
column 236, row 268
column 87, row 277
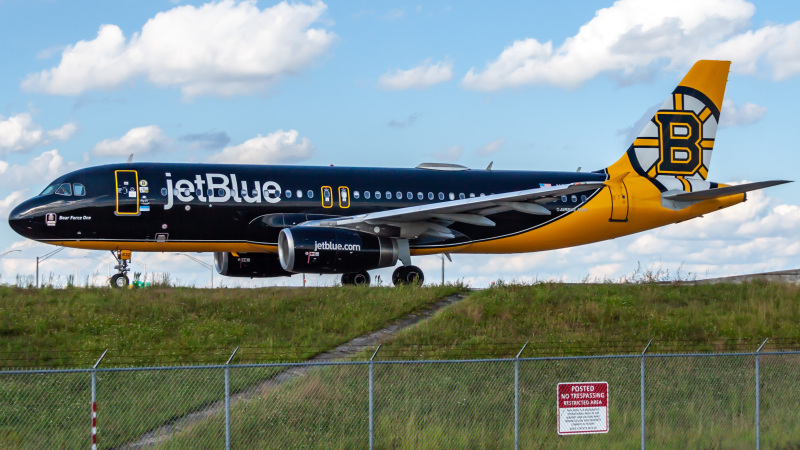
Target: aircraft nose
column 19, row 219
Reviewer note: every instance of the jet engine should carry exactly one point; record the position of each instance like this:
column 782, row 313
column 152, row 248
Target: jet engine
column 252, row 265
column 333, row 250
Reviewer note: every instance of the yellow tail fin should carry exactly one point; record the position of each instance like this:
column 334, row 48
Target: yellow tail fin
column 674, row 148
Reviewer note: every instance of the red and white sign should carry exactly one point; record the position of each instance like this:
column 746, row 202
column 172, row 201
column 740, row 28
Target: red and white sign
column 583, row 408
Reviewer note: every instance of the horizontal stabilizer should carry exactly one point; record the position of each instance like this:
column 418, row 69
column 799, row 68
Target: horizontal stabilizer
column 709, row 194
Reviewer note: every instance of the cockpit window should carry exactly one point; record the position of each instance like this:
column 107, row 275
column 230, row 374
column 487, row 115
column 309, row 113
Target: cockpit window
column 48, row 190
column 64, row 189
column 78, row 189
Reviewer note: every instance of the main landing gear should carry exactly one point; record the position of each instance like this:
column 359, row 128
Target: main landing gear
column 120, row 280
column 407, row 275
column 356, row 279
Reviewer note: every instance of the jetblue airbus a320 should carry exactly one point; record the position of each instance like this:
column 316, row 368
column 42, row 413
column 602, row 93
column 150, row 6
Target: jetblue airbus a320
column 270, row 221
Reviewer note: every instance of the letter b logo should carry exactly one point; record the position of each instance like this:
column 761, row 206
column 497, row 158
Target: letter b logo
column 680, row 133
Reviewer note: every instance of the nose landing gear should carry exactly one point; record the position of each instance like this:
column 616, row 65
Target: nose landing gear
column 121, row 280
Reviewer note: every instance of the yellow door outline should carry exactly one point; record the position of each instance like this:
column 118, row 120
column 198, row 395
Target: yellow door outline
column 135, row 188
column 346, row 202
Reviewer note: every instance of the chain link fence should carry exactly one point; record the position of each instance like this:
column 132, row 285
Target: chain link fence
column 713, row 400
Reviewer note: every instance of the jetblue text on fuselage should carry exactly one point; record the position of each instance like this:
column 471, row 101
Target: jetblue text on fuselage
column 218, row 188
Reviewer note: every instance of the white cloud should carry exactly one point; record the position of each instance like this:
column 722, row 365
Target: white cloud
column 39, row 170
column 19, row 133
column 219, row 48
column 137, row 141
column 274, row 148
column 491, row 147
column 449, row 154
column 747, row 114
column 420, row 77
column 631, row 37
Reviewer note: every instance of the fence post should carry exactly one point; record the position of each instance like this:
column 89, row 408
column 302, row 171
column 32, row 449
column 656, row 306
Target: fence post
column 371, row 435
column 94, row 400
column 758, row 399
column 641, row 394
column 516, row 397
column 228, row 401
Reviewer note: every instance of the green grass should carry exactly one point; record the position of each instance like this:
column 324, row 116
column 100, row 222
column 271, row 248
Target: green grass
column 562, row 319
column 71, row 327
column 692, row 402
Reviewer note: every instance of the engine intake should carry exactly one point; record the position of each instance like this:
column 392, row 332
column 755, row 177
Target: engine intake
column 333, row 250
column 251, row 265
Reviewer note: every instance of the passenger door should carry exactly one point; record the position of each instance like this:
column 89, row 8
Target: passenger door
column 127, row 192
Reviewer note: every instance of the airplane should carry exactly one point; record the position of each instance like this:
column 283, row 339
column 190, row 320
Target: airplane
column 273, row 221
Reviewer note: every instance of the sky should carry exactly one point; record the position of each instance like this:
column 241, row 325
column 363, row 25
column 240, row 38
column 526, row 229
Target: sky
column 525, row 85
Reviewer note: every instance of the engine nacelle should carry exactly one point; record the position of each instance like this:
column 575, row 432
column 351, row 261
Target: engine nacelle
column 333, row 250
column 251, row 265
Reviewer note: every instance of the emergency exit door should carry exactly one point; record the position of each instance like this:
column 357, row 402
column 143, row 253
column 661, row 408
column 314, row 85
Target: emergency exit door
column 127, row 192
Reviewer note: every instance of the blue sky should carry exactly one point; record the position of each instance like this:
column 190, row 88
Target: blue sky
column 528, row 85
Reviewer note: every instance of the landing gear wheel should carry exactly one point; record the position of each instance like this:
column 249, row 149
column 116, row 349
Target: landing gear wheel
column 356, row 279
column 360, row 279
column 119, row 281
column 408, row 275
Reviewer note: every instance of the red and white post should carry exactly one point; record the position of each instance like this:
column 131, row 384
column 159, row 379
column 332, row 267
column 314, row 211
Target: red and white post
column 94, row 400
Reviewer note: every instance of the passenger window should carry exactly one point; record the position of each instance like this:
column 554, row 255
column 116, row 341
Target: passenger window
column 378, row 195
column 255, row 193
column 441, row 195
column 164, row 192
column 583, row 198
column 244, row 192
column 420, row 196
column 575, row 198
column 452, row 196
column 310, row 193
column 299, row 193
column 356, row 195
column 220, row 192
column 564, row 198
column 209, row 193
column 410, row 196
column 366, row 195
column 471, row 195
column 288, row 193
column 461, row 196
column 430, row 195
column 78, row 189
column 64, row 189
column 399, row 195
column 388, row 195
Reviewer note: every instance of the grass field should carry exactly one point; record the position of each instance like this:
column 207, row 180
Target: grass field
column 692, row 402
column 71, row 327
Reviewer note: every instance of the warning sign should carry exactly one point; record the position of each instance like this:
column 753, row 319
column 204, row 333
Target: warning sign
column 583, row 408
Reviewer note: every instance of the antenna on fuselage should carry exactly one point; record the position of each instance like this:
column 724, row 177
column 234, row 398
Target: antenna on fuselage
column 489, row 167
column 130, row 159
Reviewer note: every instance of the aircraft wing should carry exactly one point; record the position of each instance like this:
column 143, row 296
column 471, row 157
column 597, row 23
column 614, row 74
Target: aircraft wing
column 433, row 219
